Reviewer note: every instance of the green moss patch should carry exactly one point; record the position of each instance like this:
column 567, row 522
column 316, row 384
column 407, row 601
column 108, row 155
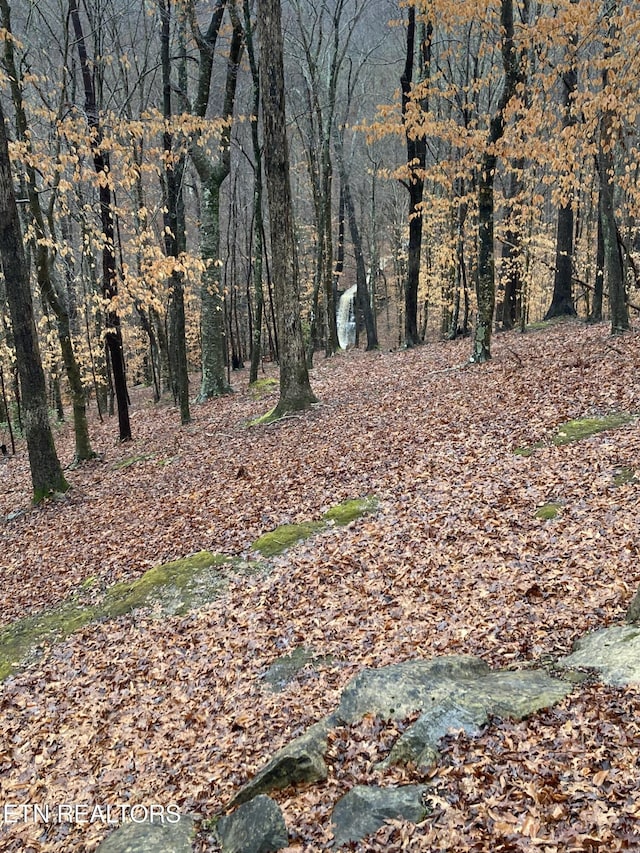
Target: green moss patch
column 585, row 427
column 548, row 511
column 528, row 450
column 268, row 418
column 19, row 640
column 263, row 387
column 625, row 475
column 175, row 587
column 131, row 460
column 283, row 537
column 350, row 510
column 578, row 429
column 277, row 541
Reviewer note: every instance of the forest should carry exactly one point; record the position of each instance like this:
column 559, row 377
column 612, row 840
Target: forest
column 318, row 349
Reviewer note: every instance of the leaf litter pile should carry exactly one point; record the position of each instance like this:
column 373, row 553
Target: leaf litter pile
column 454, row 560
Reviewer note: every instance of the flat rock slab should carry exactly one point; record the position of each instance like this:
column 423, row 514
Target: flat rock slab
column 401, row 689
column 614, row 652
column 255, row 827
column 151, row 838
column 366, row 808
column 455, row 692
column 462, row 681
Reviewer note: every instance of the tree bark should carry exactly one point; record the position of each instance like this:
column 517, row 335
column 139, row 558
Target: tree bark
column 562, row 298
column 46, row 472
column 485, row 281
column 212, row 175
column 175, row 241
column 416, row 160
column 258, row 225
column 113, row 331
column 295, row 389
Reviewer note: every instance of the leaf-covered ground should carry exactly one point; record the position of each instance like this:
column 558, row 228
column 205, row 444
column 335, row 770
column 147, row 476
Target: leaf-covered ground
column 454, row 560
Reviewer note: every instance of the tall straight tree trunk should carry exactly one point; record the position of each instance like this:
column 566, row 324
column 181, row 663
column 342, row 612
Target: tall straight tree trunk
column 485, row 281
column 606, row 170
column 258, row 225
column 175, row 240
column 562, row 298
column 416, row 159
column 612, row 253
column 598, row 291
column 295, row 389
column 46, row 472
column 113, row 331
column 511, row 253
column 212, row 174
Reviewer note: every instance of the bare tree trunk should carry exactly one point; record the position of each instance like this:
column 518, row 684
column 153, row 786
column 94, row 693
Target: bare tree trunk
column 295, row 389
column 416, row 159
column 598, row 291
column 258, row 225
column 113, row 332
column 485, row 282
column 212, row 174
column 175, row 240
column 46, row 472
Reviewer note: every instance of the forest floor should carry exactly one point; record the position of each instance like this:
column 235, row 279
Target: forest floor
column 454, row 560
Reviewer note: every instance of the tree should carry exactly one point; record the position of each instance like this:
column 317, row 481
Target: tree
column 46, row 472
column 44, row 255
column 562, row 299
column 416, row 159
column 606, row 169
column 485, row 282
column 175, row 239
column 212, row 172
column 295, row 389
column 258, row 223
column 101, row 162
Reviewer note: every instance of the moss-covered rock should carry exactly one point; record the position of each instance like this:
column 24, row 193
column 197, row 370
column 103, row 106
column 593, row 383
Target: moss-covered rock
column 581, row 428
column 283, row 537
column 348, row 511
column 277, row 541
column 548, row 511
column 286, row 668
column 19, row 641
column 174, row 587
column 177, row 586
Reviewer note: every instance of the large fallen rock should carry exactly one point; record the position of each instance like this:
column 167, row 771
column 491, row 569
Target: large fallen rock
column 300, row 762
column 455, row 692
column 614, row 652
column 151, row 837
column 365, row 809
column 255, row 827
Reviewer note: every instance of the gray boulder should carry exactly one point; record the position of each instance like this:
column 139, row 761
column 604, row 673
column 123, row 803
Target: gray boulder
column 298, row 763
column 255, row 827
column 151, row 838
column 366, row 808
column 614, row 652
